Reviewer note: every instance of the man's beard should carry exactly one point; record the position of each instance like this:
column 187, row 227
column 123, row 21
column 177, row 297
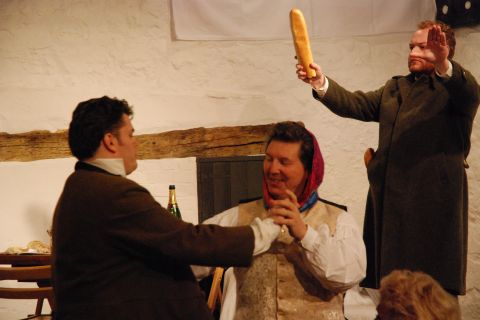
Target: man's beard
column 427, row 68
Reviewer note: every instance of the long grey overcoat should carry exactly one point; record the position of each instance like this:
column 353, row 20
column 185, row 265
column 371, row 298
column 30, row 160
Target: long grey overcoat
column 417, row 208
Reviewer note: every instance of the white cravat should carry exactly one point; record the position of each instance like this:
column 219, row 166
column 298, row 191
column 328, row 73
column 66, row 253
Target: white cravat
column 113, row 166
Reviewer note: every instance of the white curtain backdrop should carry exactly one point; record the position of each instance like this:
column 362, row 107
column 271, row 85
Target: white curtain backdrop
column 269, row 19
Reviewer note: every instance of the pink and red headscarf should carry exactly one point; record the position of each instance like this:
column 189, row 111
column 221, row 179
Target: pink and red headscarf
column 314, row 179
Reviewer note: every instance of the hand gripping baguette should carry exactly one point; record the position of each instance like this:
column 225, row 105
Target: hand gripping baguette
column 301, row 41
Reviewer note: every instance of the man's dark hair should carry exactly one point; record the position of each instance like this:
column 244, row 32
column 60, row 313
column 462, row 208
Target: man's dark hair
column 91, row 120
column 449, row 33
column 289, row 131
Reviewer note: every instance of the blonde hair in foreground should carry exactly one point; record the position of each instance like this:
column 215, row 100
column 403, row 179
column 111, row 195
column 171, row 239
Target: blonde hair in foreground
column 409, row 295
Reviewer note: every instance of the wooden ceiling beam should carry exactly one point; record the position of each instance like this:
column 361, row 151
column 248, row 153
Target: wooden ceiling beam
column 196, row 142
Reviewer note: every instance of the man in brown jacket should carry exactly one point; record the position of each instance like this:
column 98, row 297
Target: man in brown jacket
column 417, row 208
column 117, row 254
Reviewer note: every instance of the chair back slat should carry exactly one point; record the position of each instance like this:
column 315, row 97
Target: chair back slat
column 26, row 293
column 26, row 273
column 40, row 275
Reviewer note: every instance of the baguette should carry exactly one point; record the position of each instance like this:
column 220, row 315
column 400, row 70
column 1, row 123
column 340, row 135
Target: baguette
column 301, row 41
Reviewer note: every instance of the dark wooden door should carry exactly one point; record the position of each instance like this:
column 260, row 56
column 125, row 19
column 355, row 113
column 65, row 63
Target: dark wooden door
column 223, row 182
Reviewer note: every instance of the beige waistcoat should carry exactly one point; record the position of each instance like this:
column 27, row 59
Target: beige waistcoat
column 280, row 283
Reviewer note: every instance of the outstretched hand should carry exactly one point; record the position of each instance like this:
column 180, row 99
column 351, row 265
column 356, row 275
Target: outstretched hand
column 437, row 43
column 316, row 82
column 286, row 212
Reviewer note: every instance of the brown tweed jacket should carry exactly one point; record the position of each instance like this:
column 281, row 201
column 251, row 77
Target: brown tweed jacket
column 119, row 255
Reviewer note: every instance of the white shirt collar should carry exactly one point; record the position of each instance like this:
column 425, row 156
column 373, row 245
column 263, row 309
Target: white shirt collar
column 113, row 166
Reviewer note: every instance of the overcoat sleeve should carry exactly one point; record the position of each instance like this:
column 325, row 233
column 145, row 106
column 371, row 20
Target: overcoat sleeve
column 364, row 106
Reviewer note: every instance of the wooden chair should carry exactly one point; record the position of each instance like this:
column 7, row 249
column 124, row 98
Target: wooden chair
column 215, row 290
column 40, row 275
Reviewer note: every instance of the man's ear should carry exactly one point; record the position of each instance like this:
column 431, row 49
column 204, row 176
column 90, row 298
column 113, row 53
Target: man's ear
column 110, row 142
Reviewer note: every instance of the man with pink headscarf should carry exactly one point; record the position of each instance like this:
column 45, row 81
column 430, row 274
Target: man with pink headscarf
column 319, row 253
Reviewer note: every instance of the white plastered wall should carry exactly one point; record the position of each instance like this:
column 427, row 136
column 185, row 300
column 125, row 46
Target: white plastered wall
column 56, row 53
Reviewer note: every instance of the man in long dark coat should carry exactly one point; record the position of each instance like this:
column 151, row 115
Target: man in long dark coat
column 417, row 207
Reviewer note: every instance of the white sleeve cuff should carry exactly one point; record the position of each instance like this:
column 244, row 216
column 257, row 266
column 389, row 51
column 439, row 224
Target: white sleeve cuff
column 323, row 89
column 265, row 231
column 447, row 74
column 322, row 234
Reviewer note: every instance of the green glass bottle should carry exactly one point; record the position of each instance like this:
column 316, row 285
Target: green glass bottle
column 172, row 202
